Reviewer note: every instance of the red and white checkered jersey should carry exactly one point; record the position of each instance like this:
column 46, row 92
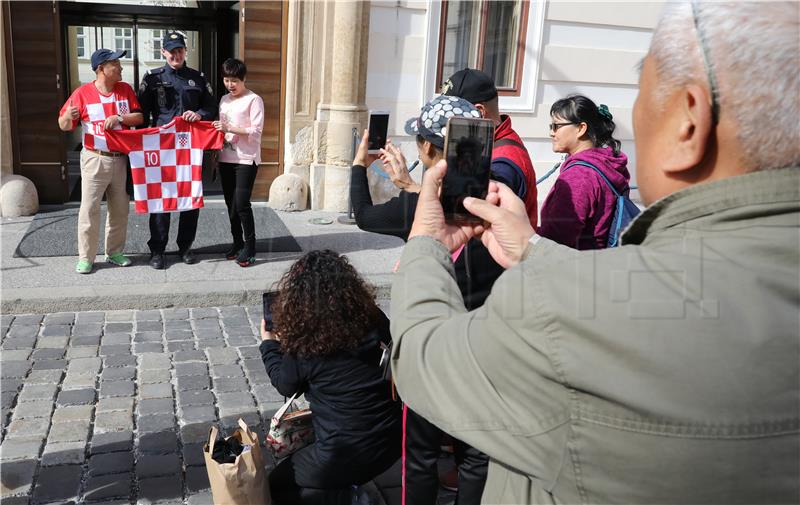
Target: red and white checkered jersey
column 167, row 163
column 96, row 107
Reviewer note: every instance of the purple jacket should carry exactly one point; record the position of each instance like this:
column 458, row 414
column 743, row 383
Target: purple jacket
column 578, row 210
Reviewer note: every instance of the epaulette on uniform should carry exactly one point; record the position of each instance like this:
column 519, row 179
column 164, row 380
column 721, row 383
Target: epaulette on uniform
column 155, row 71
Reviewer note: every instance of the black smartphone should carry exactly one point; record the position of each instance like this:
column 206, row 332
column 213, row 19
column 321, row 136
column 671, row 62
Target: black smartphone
column 267, row 299
column 468, row 151
column 378, row 129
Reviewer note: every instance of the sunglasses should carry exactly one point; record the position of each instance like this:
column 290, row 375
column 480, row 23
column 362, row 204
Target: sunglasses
column 555, row 126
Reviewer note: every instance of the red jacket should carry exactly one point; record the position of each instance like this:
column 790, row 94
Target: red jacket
column 509, row 147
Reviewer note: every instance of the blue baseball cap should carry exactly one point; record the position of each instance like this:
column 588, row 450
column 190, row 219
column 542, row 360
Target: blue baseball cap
column 103, row 55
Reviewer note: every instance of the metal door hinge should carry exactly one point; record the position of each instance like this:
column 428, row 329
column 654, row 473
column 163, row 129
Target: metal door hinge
column 58, row 81
column 63, row 173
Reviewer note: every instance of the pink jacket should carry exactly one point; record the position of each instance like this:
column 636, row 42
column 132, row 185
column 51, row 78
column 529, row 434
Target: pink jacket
column 246, row 112
column 579, row 208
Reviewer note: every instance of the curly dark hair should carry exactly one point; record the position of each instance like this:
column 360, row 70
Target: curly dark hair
column 323, row 306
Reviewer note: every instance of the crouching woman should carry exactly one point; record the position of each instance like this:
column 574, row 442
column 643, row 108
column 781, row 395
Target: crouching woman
column 326, row 343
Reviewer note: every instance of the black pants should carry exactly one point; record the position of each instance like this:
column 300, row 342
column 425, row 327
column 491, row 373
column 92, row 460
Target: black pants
column 423, row 442
column 237, row 186
column 302, row 480
column 159, row 230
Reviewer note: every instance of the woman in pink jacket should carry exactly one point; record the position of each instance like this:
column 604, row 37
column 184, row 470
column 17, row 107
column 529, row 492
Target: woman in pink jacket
column 241, row 118
column 579, row 209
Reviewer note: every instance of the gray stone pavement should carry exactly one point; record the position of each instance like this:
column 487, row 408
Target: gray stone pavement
column 114, row 407
column 111, row 381
column 50, row 284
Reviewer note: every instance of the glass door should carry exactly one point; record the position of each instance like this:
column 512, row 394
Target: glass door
column 83, row 40
column 149, row 54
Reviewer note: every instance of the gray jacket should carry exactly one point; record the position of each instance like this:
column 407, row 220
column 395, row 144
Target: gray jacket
column 663, row 371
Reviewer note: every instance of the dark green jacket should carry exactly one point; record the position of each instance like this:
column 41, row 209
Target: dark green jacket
column 662, row 371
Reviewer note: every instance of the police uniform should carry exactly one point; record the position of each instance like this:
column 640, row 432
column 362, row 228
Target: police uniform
column 164, row 93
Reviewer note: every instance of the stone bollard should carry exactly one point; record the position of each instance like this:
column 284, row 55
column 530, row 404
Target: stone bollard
column 289, row 192
column 18, row 197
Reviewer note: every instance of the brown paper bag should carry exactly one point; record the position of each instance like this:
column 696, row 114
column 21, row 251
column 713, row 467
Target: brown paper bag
column 243, row 482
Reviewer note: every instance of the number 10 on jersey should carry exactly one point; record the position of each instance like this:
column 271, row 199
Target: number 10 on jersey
column 151, row 159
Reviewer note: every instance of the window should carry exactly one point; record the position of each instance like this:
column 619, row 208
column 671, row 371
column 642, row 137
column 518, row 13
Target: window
column 80, row 33
column 488, row 35
column 123, row 39
column 158, row 36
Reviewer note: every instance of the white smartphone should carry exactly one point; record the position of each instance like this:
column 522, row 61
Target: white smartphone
column 378, row 129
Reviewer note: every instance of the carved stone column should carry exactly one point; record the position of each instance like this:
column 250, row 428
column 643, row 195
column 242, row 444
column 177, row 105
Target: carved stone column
column 326, row 89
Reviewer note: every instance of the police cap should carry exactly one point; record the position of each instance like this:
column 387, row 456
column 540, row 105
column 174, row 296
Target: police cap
column 172, row 40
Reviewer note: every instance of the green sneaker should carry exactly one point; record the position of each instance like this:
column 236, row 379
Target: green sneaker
column 119, row 259
column 84, row 267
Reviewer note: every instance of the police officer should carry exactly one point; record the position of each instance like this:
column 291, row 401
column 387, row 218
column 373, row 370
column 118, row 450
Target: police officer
column 166, row 92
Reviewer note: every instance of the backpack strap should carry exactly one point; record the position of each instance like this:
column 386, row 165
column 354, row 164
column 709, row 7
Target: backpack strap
column 587, row 164
column 509, row 142
column 548, row 174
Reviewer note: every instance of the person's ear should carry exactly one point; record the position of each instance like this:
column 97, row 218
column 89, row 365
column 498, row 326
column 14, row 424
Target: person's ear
column 482, row 109
column 582, row 129
column 428, row 149
column 692, row 126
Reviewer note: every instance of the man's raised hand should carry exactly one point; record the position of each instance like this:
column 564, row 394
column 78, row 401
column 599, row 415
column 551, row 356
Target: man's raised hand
column 74, row 112
column 394, row 163
column 429, row 216
column 508, row 228
column 363, row 158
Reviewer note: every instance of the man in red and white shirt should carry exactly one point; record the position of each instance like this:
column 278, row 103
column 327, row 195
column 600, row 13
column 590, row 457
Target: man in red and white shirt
column 104, row 104
column 167, row 163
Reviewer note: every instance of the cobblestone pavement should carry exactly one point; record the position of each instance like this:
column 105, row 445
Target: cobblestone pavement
column 114, row 407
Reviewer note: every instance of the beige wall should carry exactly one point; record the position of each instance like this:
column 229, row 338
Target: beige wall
column 592, row 48
column 588, row 47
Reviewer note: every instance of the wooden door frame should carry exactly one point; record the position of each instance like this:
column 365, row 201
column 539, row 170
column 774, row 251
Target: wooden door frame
column 282, row 87
column 282, row 126
column 11, row 83
column 282, row 94
column 203, row 18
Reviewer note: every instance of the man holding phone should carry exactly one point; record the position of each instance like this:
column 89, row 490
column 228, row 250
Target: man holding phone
column 511, row 163
column 662, row 371
column 475, row 274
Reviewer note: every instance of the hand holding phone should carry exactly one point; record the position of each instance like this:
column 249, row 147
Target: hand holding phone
column 378, row 130
column 468, row 151
column 267, row 299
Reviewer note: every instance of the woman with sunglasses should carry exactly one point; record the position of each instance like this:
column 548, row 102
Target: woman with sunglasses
column 579, row 209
